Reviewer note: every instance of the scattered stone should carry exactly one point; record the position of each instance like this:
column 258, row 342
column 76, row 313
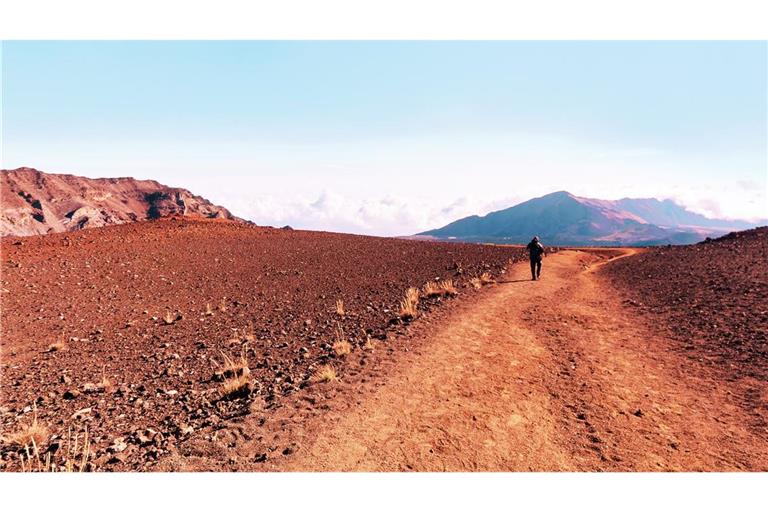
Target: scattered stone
column 71, row 394
column 117, row 458
column 143, row 439
column 118, row 445
column 81, row 414
column 90, row 387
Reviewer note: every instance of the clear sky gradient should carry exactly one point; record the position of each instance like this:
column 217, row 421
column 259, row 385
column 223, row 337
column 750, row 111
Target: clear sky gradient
column 397, row 137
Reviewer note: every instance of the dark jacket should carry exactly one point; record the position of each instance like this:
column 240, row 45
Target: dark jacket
column 535, row 250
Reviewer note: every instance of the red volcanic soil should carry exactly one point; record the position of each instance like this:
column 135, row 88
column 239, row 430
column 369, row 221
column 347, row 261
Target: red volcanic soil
column 712, row 297
column 82, row 307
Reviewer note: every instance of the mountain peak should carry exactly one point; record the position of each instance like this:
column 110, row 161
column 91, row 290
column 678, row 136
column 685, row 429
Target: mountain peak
column 565, row 219
column 559, row 193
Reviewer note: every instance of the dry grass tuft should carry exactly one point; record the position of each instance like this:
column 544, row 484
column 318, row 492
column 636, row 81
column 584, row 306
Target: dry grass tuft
column 408, row 304
column 105, row 384
column 236, row 367
column 236, row 386
column 249, row 334
column 32, row 434
column 369, row 343
column 448, row 287
column 407, row 309
column 76, row 454
column 340, row 307
column 237, row 375
column 412, row 295
column 341, row 346
column 432, row 289
column 326, row 373
column 57, row 347
column 484, row 279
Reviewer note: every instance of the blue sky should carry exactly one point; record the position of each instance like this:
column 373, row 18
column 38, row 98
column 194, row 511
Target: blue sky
column 397, row 137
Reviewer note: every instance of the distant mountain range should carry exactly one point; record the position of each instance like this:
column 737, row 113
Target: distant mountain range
column 33, row 202
column 561, row 218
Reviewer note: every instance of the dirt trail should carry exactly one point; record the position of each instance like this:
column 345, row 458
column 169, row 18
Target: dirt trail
column 543, row 376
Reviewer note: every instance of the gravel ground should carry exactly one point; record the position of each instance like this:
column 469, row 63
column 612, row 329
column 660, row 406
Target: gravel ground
column 712, row 297
column 124, row 329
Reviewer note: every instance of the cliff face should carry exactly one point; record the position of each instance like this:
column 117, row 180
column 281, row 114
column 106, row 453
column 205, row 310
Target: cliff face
column 33, row 202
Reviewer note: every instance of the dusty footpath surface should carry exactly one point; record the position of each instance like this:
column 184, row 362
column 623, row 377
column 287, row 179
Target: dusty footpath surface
column 544, row 376
column 572, row 372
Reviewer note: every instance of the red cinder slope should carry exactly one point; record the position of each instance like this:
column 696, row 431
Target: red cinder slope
column 713, row 296
column 152, row 307
column 35, row 202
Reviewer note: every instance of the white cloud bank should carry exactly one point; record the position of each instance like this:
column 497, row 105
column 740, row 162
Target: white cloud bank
column 383, row 216
column 402, row 186
column 396, row 216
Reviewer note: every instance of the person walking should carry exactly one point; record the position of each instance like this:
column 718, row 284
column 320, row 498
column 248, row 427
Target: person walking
column 536, row 252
